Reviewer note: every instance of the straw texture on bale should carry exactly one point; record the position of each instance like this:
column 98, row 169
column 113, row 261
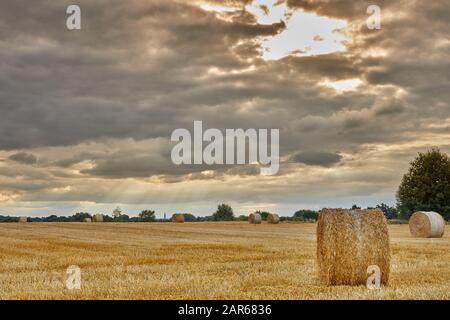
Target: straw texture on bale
column 273, row 218
column 23, row 219
column 87, row 220
column 348, row 242
column 178, row 217
column 424, row 224
column 97, row 218
column 254, row 218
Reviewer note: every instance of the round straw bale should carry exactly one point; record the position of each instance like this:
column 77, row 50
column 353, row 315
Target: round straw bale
column 424, row 224
column 178, row 217
column 87, row 220
column 273, row 218
column 348, row 242
column 23, row 219
column 254, row 218
column 97, row 218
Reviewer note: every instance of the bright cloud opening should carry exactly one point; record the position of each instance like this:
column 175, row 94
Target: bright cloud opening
column 306, row 34
column 343, row 85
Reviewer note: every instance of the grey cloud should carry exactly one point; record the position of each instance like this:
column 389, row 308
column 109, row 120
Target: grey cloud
column 342, row 9
column 317, row 158
column 24, row 158
column 140, row 69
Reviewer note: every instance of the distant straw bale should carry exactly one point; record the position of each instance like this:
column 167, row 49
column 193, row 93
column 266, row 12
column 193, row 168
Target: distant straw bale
column 254, row 218
column 273, row 218
column 424, row 224
column 178, row 217
column 97, row 218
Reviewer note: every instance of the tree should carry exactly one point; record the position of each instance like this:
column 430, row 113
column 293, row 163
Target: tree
column 188, row 217
column 78, row 217
column 263, row 214
column 122, row 218
column 426, row 185
column 147, row 216
column 8, row 219
column 355, row 207
column 52, row 218
column 306, row 215
column 107, row 218
column 117, row 212
column 223, row 213
column 389, row 212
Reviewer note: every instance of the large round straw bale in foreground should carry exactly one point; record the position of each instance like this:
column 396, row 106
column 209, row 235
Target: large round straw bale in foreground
column 87, row 220
column 23, row 219
column 178, row 217
column 254, row 218
column 273, row 218
column 97, row 218
column 348, row 242
column 424, row 224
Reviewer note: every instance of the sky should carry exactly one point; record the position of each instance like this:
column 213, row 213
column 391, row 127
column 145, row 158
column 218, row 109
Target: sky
column 87, row 115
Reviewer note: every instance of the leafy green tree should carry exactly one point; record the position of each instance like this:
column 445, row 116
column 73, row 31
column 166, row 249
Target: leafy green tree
column 8, row 219
column 107, row 218
column 426, row 185
column 117, row 212
column 263, row 214
column 122, row 218
column 188, row 217
column 306, row 215
column 147, row 216
column 53, row 218
column 389, row 212
column 223, row 213
column 78, row 217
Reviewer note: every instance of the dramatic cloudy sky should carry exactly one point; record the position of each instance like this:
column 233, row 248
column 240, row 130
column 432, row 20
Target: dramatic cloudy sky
column 86, row 116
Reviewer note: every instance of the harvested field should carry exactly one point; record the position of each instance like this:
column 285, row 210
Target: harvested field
column 201, row 261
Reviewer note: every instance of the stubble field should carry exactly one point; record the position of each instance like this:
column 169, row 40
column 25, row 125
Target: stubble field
column 200, row 261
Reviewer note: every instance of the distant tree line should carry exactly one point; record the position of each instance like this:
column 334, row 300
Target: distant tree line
column 425, row 187
column 117, row 216
column 224, row 212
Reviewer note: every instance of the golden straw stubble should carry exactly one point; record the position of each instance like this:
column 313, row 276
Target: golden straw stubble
column 348, row 242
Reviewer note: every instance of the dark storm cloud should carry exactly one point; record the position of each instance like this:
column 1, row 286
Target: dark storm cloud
column 140, row 69
column 24, row 157
column 343, row 9
column 78, row 86
column 62, row 87
column 317, row 158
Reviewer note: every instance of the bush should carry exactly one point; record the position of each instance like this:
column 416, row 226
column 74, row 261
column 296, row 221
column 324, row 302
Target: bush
column 8, row 219
column 122, row 218
column 306, row 215
column 77, row 217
